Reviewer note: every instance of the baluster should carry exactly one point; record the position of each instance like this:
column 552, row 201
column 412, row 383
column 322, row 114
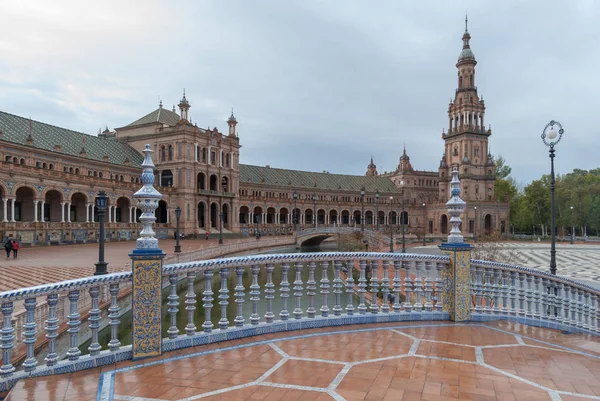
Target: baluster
column 51, row 330
column 254, row 293
column 29, row 334
column 285, row 291
column 566, row 302
column 478, row 289
column 350, row 288
column 374, row 286
column 223, row 299
column 190, row 304
column 513, row 293
column 418, row 287
column 529, row 296
column 173, row 304
column 586, row 310
column 337, row 288
column 311, row 289
column 94, row 320
column 208, row 300
column 239, row 297
column 496, row 274
column 487, row 290
column 407, row 286
column 556, row 293
column 269, row 293
column 113, row 314
column 396, row 306
column 362, row 285
column 574, row 301
column 547, row 290
column 543, row 295
column 594, row 312
column 579, row 307
column 536, row 297
column 324, row 289
column 73, row 352
column 522, row 291
column 8, row 339
column 428, row 287
column 298, row 291
column 385, row 287
column 504, row 290
column 439, row 290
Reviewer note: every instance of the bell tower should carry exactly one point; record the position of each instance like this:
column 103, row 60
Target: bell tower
column 466, row 142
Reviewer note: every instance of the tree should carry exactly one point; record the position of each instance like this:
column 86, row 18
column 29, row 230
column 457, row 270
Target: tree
column 502, row 169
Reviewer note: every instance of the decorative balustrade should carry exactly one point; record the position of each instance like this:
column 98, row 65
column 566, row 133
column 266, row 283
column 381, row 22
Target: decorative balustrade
column 283, row 292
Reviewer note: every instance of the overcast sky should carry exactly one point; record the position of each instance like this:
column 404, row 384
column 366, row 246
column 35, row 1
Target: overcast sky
column 315, row 85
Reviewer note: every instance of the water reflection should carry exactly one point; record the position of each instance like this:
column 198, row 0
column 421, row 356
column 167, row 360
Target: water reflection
column 199, row 287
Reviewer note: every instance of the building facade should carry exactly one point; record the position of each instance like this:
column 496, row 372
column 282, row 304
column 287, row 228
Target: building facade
column 50, row 177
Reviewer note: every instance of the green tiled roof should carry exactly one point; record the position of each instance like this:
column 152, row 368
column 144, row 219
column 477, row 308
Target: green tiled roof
column 160, row 115
column 307, row 179
column 15, row 129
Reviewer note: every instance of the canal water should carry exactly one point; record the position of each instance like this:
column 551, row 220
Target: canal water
column 199, row 287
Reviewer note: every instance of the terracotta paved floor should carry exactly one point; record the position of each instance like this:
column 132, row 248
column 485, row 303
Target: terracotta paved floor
column 433, row 361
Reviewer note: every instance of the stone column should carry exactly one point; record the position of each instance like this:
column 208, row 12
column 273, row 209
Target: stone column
column 4, row 210
column 68, row 212
column 146, row 265
column 168, row 215
column 62, row 212
column 457, row 276
column 87, row 212
column 43, row 218
column 35, row 211
column 12, row 210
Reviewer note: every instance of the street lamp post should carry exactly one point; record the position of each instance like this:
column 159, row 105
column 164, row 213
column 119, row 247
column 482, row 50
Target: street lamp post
column 475, row 226
column 572, row 227
column 377, row 209
column 402, row 217
column 314, row 198
column 177, row 216
column 551, row 137
column 295, row 214
column 101, row 201
column 257, row 234
column 424, row 224
column 220, row 228
column 391, row 226
column 362, row 212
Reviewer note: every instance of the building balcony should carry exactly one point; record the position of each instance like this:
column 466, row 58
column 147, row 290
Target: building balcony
column 216, row 193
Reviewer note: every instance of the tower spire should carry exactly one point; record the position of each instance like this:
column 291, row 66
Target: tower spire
column 466, row 23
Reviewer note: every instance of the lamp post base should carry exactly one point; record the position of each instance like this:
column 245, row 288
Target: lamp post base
column 177, row 249
column 220, row 241
column 101, row 269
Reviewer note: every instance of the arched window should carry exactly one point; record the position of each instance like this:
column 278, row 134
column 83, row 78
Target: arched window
column 471, row 80
column 460, row 82
column 163, row 154
column 22, row 161
column 51, row 166
column 76, row 171
column 15, row 160
column 170, row 152
column 100, row 174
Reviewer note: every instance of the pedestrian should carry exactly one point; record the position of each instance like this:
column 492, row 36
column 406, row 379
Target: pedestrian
column 15, row 248
column 8, row 247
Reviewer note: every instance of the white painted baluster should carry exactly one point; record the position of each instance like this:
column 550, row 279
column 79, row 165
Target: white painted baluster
column 586, row 310
column 522, row 292
column 556, row 293
column 496, row 289
column 594, row 313
column 113, row 314
column 529, row 296
column 8, row 339
column 51, row 330
column 407, row 286
column 94, row 320
column 324, row 288
column 190, row 304
column 285, row 291
column 311, row 289
column 514, row 282
column 239, row 297
column 439, row 290
column 487, row 290
column 536, row 297
column 298, row 291
column 385, row 287
column 573, row 307
column 223, row 299
column 544, row 299
column 362, row 285
column 208, row 301
column 29, row 333
column 73, row 352
column 428, row 287
column 566, row 302
column 337, row 288
column 374, row 286
column 269, row 293
column 254, row 293
column 579, row 308
column 418, row 287
column 173, row 303
column 396, row 306
column 504, row 290
column 350, row 288
column 478, row 289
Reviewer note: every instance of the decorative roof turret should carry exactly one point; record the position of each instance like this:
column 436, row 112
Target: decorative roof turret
column 455, row 208
column 232, row 122
column 466, row 54
column 372, row 169
column 404, row 165
column 184, row 106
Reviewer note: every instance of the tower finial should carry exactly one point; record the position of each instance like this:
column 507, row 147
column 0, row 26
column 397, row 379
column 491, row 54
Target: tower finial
column 466, row 22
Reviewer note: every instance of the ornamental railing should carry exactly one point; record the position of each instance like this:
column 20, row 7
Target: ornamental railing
column 282, row 292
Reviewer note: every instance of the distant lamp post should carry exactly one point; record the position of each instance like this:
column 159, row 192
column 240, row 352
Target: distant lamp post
column 256, row 227
column 377, row 209
column 177, row 216
column 101, row 202
column 362, row 206
column 424, row 224
column 402, row 217
column 391, row 226
column 295, row 214
column 220, row 228
column 551, row 137
column 314, row 198
column 475, row 226
column 572, row 227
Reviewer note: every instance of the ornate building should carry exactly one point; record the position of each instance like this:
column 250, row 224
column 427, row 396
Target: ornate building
column 50, row 177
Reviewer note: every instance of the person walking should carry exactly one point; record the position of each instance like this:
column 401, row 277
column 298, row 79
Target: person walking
column 8, row 248
column 15, row 248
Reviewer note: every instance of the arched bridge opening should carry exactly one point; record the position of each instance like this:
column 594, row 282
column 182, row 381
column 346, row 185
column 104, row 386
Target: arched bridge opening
column 315, row 240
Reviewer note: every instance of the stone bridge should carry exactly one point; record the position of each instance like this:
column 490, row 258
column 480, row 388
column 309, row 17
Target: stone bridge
column 314, row 237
